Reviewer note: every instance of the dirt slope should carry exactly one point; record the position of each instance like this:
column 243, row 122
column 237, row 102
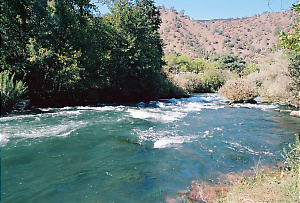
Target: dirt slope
column 246, row 36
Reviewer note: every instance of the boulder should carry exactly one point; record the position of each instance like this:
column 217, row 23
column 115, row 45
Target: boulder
column 295, row 113
column 286, row 110
column 21, row 105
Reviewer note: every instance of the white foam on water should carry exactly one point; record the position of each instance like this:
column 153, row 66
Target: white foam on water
column 165, row 138
column 161, row 105
column 102, row 108
column 150, row 134
column 3, row 139
column 28, row 126
column 244, row 149
column 39, row 116
column 66, row 108
column 42, row 130
column 197, row 106
column 218, row 129
column 62, row 113
column 68, row 133
column 156, row 115
column 264, row 107
column 174, row 109
column 212, row 98
column 206, row 133
column 16, row 117
column 168, row 141
column 141, row 114
column 46, row 109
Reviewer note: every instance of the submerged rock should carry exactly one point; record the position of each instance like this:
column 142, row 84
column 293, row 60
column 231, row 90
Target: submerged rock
column 21, row 105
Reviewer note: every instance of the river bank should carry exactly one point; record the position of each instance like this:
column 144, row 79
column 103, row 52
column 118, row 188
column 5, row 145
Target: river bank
column 280, row 184
column 261, row 183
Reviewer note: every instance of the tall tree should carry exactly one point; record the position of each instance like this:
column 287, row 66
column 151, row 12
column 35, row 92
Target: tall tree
column 136, row 57
column 69, row 56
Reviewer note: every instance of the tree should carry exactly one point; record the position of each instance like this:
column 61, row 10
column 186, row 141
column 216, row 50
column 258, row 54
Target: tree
column 15, row 32
column 185, row 63
column 291, row 42
column 69, row 56
column 229, row 62
column 136, row 56
column 171, row 62
column 199, row 65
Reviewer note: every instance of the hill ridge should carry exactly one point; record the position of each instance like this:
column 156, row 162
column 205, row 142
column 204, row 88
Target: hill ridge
column 245, row 36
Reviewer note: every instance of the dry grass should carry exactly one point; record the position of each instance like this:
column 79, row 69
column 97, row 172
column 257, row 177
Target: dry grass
column 275, row 186
column 272, row 186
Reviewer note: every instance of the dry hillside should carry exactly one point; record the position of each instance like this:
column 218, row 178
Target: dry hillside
column 245, row 36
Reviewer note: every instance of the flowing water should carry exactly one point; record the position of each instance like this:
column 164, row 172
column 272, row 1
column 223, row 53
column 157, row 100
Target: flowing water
column 135, row 153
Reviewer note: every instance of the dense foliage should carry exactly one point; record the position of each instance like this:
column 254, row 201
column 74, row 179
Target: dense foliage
column 205, row 75
column 11, row 91
column 291, row 42
column 69, row 55
column 229, row 62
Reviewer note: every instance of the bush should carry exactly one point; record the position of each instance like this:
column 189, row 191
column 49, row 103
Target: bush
column 11, row 91
column 273, row 82
column 213, row 79
column 270, row 80
column 239, row 91
column 189, row 82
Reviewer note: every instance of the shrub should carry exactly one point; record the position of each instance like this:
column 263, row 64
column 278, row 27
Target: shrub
column 213, row 79
column 189, row 82
column 276, row 89
column 273, row 82
column 238, row 91
column 11, row 91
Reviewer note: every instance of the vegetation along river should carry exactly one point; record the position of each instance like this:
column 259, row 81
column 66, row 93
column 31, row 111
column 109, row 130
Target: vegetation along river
column 135, row 153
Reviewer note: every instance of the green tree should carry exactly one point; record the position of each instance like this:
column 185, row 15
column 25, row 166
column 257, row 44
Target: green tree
column 185, row 63
column 229, row 62
column 250, row 68
column 199, row 64
column 136, row 56
column 68, row 56
column 291, row 42
column 15, row 32
column 171, row 62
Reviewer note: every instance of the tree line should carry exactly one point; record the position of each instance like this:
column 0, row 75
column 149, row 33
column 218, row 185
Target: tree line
column 68, row 54
column 64, row 52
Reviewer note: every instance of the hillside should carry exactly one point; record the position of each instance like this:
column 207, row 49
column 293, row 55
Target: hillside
column 245, row 36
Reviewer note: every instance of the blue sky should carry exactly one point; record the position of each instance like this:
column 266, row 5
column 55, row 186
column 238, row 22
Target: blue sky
column 217, row 9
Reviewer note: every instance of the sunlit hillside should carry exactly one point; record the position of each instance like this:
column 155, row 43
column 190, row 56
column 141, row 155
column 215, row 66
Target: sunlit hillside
column 245, row 36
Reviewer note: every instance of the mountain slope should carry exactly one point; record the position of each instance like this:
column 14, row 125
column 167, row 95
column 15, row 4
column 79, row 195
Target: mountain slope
column 245, row 36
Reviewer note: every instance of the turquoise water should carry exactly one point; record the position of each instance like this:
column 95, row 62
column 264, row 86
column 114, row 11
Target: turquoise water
column 137, row 153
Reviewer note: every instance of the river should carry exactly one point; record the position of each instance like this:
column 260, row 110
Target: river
column 143, row 152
